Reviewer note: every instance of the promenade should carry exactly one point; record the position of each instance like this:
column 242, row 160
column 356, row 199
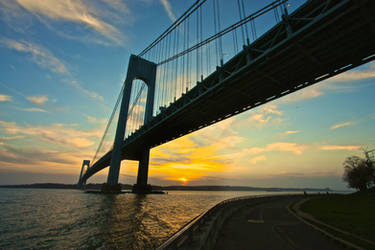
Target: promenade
column 270, row 226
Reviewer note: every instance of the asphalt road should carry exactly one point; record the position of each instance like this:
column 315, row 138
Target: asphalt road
column 270, row 226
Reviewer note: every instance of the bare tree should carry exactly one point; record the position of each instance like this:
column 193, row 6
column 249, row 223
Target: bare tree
column 358, row 173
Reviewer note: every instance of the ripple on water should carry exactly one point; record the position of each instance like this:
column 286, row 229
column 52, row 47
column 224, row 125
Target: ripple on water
column 52, row 218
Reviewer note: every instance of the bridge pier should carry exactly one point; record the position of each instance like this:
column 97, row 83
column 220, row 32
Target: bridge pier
column 141, row 187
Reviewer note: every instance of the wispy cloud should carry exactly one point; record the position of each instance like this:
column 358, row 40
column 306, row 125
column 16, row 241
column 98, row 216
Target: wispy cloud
column 46, row 59
column 34, row 110
column 355, row 75
column 39, row 55
column 265, row 114
column 78, row 11
column 116, row 5
column 56, row 134
column 56, row 148
column 279, row 146
column 38, row 100
column 258, row 159
column 5, row 98
column 340, row 125
column 41, row 160
column 83, row 90
column 290, row 132
column 93, row 119
column 305, row 94
column 168, row 9
column 341, row 147
column 343, row 81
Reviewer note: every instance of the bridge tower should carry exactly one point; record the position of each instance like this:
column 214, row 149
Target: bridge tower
column 144, row 70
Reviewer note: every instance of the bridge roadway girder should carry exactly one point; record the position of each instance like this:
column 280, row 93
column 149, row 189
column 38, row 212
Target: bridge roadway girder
column 327, row 38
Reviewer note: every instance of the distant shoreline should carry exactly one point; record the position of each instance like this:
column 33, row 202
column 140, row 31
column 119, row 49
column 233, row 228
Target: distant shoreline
column 180, row 188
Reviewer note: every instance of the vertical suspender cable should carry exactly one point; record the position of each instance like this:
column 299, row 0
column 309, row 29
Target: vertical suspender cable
column 215, row 30
column 188, row 55
column 157, row 87
column 183, row 61
column 197, row 51
column 167, row 65
column 200, row 40
column 242, row 28
column 175, row 65
column 243, row 14
column 164, row 66
column 131, row 114
column 220, row 38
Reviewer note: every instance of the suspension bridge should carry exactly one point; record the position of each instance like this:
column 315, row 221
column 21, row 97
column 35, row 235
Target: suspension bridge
column 202, row 70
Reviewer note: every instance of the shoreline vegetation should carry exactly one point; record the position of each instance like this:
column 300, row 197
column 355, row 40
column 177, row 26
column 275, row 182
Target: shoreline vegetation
column 166, row 188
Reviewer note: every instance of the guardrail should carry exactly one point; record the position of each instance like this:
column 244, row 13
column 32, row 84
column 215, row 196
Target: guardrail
column 202, row 231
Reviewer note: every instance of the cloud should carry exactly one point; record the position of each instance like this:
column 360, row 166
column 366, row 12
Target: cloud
column 38, row 100
column 30, row 155
column 81, row 142
column 341, row 147
column 116, row 5
column 304, row 94
column 34, row 110
column 184, row 158
column 75, row 11
column 264, row 115
column 39, row 55
column 137, row 109
column 343, row 81
column 45, row 59
column 355, row 75
column 279, row 146
column 89, row 93
column 5, row 98
column 10, row 138
column 290, row 132
column 42, row 160
column 217, row 133
column 56, row 134
column 92, row 119
column 340, row 125
column 258, row 159
column 168, row 9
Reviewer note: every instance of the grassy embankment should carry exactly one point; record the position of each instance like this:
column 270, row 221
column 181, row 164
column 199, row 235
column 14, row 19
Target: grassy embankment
column 354, row 213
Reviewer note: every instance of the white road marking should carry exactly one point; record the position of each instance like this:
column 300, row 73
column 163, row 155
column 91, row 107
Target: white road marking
column 255, row 221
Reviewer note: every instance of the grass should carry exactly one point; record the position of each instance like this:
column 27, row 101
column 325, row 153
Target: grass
column 354, row 213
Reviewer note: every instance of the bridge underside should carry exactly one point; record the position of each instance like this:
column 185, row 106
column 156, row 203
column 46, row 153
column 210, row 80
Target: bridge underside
column 319, row 40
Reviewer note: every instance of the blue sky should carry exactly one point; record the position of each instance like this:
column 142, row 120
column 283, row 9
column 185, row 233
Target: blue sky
column 61, row 69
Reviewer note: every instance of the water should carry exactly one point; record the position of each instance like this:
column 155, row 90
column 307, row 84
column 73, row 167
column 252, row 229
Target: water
column 56, row 218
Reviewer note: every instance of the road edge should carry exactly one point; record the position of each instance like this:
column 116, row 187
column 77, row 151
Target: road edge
column 294, row 209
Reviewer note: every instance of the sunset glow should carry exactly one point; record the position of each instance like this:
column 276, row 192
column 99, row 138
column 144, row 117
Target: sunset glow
column 58, row 88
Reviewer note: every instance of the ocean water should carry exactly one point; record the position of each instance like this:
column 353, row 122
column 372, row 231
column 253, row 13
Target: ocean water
column 57, row 218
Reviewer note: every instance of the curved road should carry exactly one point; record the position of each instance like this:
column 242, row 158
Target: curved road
column 270, row 226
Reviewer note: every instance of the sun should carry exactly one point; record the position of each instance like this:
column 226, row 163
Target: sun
column 183, row 179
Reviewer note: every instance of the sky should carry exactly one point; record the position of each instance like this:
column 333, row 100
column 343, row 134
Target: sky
column 62, row 66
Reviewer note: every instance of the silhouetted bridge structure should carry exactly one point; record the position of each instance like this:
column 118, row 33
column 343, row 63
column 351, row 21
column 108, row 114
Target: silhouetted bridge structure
column 318, row 40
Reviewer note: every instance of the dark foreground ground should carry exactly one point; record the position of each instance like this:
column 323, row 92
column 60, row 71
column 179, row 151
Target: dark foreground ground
column 270, row 226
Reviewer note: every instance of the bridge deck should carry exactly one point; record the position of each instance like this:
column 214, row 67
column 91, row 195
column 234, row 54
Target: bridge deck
column 317, row 41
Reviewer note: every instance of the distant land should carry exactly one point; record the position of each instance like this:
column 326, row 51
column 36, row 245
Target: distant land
column 187, row 188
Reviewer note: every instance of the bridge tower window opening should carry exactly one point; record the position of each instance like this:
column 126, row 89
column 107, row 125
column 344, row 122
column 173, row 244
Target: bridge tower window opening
column 136, row 113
